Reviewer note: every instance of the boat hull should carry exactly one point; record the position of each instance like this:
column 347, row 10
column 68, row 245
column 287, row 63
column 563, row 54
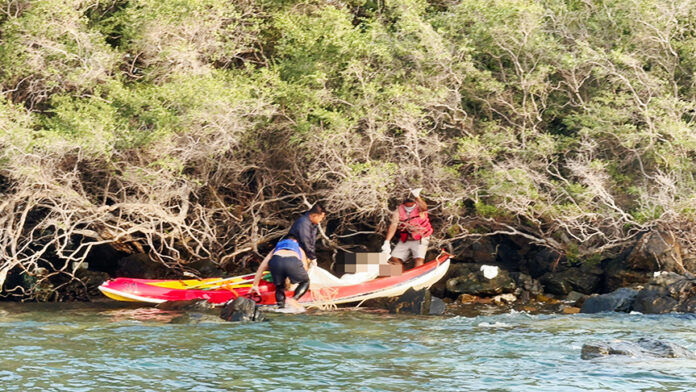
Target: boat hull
column 158, row 291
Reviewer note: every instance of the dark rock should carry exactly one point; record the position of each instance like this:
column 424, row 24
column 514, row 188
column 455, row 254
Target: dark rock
column 525, row 282
column 643, row 347
column 104, row 258
column 191, row 305
column 483, row 250
column 657, row 251
column 417, row 302
column 620, row 300
column 544, row 260
column 576, row 298
column 470, row 280
column 554, row 284
column 667, row 293
column 523, row 295
column 508, row 255
column 437, row 306
column 585, row 280
column 87, row 287
column 618, row 274
column 241, row 309
column 206, row 268
column 139, row 265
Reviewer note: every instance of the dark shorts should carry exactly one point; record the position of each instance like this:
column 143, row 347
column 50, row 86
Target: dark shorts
column 287, row 267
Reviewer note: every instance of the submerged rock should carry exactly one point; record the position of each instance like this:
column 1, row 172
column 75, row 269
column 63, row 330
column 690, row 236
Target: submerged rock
column 620, row 300
column 241, row 309
column 417, row 302
column 643, row 347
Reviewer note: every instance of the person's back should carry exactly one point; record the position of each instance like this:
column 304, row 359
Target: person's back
column 305, row 228
column 285, row 262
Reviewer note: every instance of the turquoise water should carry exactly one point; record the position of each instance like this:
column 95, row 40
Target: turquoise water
column 106, row 347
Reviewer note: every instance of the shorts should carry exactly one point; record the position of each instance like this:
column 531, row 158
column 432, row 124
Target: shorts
column 287, row 267
column 416, row 248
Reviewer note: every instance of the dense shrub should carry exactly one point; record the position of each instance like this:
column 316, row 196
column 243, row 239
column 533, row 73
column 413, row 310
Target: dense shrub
column 200, row 128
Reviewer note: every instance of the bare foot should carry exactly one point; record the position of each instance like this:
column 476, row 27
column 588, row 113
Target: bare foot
column 292, row 304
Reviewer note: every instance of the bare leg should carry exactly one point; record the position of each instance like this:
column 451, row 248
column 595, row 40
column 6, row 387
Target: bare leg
column 419, row 261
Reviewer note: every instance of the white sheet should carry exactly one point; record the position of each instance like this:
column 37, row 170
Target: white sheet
column 319, row 277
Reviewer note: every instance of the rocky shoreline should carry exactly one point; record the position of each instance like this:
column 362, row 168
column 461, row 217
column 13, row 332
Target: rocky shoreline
column 492, row 275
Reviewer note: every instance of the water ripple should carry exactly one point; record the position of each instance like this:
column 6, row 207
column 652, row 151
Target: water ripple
column 72, row 347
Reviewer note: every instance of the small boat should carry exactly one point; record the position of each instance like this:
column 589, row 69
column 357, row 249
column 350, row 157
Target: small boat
column 221, row 290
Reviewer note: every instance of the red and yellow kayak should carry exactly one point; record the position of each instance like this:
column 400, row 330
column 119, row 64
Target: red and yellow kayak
column 218, row 290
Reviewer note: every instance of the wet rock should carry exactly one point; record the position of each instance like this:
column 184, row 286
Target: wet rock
column 241, row 309
column 576, row 298
column 584, row 280
column 87, row 286
column 526, row 283
column 667, row 293
column 467, row 299
column 644, row 347
column 139, row 265
column 505, row 298
column 470, row 280
column 547, row 299
column 417, row 302
column 192, row 305
column 437, row 306
column 620, row 300
column 570, row 310
column 523, row 295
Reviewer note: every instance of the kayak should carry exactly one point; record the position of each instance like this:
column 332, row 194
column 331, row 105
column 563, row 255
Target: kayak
column 222, row 290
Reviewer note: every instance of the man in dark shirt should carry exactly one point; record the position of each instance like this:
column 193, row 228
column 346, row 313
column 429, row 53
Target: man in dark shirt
column 305, row 229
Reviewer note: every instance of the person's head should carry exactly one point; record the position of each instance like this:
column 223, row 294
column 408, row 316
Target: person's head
column 317, row 213
column 408, row 202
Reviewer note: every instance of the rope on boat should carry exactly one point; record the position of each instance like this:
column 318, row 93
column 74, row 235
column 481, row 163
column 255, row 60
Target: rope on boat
column 326, row 297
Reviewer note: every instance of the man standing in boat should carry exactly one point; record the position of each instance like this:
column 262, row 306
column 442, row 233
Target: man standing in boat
column 411, row 224
column 305, row 230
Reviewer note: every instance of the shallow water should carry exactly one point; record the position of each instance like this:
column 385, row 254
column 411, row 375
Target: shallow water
column 109, row 347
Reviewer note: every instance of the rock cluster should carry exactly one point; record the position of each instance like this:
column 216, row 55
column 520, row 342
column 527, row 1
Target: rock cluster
column 642, row 348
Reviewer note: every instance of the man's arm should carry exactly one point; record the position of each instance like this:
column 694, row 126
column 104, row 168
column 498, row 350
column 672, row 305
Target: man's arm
column 392, row 226
column 422, row 206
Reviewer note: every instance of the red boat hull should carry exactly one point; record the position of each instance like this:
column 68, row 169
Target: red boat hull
column 146, row 290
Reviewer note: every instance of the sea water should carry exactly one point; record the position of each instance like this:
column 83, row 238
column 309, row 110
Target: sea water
column 116, row 347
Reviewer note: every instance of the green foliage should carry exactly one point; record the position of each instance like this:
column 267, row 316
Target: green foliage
column 568, row 121
column 48, row 48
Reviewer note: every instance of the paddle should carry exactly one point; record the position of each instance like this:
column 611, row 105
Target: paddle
column 221, row 282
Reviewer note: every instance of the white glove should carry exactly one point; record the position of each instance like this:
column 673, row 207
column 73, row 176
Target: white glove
column 416, row 192
column 386, row 247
